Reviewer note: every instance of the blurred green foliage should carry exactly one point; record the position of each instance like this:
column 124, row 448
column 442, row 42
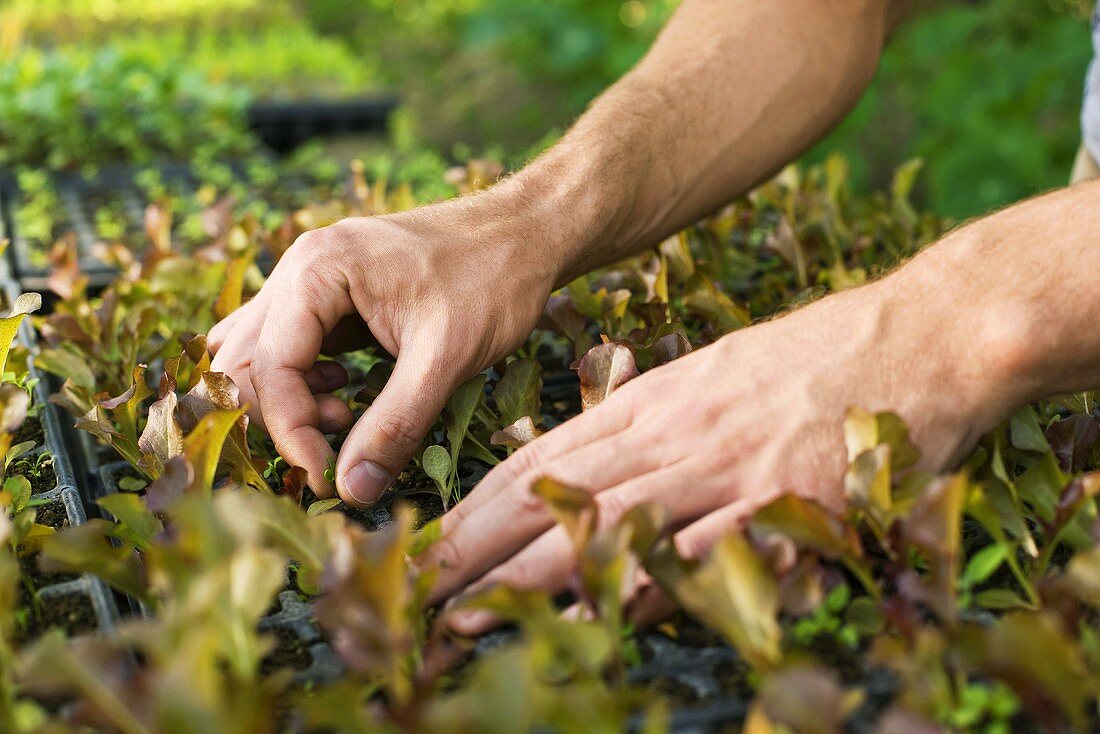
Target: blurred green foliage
column 988, row 92
column 495, row 72
column 142, row 110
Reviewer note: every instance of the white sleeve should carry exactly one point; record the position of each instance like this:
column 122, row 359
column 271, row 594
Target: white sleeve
column 1090, row 113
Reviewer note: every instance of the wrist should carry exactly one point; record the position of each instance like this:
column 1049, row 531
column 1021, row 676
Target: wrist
column 579, row 201
column 906, row 344
column 952, row 355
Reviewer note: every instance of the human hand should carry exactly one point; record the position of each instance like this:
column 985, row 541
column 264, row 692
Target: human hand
column 446, row 289
column 722, row 431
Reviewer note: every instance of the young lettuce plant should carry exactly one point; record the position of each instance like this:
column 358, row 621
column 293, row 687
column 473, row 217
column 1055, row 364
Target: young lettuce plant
column 210, row 578
column 24, row 534
column 441, row 464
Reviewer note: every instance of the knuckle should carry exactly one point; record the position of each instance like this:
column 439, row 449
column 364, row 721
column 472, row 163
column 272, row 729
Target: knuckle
column 525, row 501
column 516, row 574
column 445, row 554
column 307, row 241
column 400, row 428
column 692, row 546
column 257, row 374
column 525, row 459
column 613, row 507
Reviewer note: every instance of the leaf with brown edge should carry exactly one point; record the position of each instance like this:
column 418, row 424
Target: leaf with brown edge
column 203, row 446
column 1033, row 655
column 294, row 484
column 198, row 359
column 563, row 318
column 125, row 408
column 809, row 525
column 574, row 509
column 605, row 368
column 867, row 487
column 97, row 423
column 232, row 291
column 1072, row 440
column 216, row 391
column 14, row 404
column 519, row 434
column 171, row 485
column 732, row 591
column 864, row 431
column 87, row 549
column 211, row 391
column 24, row 304
column 65, row 278
column 162, row 437
column 669, row 347
column 933, row 526
column 369, row 597
column 807, row 699
column 158, row 227
column 677, row 254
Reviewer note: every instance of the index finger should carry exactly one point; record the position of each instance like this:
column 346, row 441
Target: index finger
column 288, row 345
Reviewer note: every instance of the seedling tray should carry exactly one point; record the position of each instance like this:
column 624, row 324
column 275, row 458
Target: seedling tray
column 80, row 198
column 283, row 126
column 62, row 602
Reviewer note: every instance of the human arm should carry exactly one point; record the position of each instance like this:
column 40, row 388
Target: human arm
column 731, row 91
column 999, row 313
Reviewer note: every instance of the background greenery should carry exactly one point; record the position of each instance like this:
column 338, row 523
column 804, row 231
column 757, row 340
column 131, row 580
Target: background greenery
column 988, row 93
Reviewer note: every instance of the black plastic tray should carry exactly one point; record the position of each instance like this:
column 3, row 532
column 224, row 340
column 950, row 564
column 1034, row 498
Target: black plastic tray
column 80, row 198
column 283, row 126
column 66, row 489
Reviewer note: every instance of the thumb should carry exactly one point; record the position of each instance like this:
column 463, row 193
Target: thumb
column 388, row 434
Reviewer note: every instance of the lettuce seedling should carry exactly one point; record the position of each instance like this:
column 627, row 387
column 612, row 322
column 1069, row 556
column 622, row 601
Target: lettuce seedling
column 604, row 369
column 24, row 304
column 442, row 464
column 370, row 604
column 732, row 590
column 24, row 534
column 516, row 394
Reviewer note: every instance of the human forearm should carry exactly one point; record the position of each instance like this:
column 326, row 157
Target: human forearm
column 730, row 92
column 1018, row 288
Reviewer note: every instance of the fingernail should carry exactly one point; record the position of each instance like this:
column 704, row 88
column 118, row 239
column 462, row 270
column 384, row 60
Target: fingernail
column 472, row 622
column 366, row 481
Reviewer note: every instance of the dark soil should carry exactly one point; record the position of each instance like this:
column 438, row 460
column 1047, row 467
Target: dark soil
column 37, row 578
column 560, row 403
column 290, row 652
column 123, row 472
column 673, row 690
column 72, row 612
column 733, row 679
column 31, row 430
column 42, row 480
column 53, row 515
column 690, row 633
column 428, row 505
